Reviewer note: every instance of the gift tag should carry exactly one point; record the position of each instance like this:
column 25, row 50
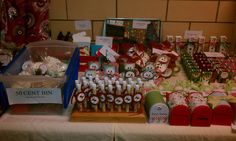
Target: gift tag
column 109, row 53
column 110, row 98
column 214, row 54
column 190, row 49
column 102, row 97
column 94, row 99
column 80, row 97
column 119, row 100
column 128, row 99
column 137, row 97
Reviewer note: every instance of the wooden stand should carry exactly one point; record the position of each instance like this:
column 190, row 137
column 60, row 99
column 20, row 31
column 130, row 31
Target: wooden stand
column 118, row 117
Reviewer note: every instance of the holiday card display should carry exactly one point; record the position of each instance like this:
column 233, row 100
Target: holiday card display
column 135, row 30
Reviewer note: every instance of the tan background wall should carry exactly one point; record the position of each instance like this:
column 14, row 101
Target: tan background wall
column 214, row 17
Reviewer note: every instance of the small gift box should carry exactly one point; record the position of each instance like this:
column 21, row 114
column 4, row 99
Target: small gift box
column 222, row 110
column 201, row 114
column 156, row 108
column 180, row 113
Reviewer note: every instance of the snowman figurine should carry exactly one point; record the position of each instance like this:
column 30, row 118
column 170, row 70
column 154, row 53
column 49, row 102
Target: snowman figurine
column 129, row 70
column 94, row 66
column 109, row 70
column 149, row 73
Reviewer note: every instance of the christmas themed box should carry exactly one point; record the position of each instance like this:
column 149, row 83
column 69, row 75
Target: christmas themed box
column 40, row 78
column 222, row 111
column 201, row 114
column 179, row 111
column 156, row 108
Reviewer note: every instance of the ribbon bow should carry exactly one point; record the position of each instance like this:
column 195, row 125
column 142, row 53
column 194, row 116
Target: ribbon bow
column 215, row 100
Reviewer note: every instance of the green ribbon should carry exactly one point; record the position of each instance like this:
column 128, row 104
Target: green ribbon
column 215, row 100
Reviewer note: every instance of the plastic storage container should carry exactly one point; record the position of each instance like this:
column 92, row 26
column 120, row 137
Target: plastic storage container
column 36, row 93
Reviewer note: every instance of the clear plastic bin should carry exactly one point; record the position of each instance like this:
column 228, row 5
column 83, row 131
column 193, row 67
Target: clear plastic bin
column 36, row 93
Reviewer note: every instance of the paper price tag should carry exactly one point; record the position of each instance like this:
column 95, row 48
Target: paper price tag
column 140, row 24
column 83, row 25
column 214, row 54
column 109, row 53
column 158, row 51
column 105, row 41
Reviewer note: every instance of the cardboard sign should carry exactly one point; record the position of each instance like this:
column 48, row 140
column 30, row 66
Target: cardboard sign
column 34, row 96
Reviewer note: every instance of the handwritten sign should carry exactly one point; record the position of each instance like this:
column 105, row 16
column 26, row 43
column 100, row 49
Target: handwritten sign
column 140, row 24
column 192, row 33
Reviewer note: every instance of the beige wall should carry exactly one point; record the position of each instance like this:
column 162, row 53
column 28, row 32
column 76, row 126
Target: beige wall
column 214, row 17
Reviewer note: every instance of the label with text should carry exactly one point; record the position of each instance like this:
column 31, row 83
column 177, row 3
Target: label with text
column 34, row 96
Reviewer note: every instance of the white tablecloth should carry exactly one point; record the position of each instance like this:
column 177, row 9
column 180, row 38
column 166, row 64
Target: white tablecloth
column 160, row 132
column 52, row 128
column 58, row 128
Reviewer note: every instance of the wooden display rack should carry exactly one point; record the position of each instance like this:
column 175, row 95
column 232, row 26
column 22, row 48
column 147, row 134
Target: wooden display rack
column 118, row 117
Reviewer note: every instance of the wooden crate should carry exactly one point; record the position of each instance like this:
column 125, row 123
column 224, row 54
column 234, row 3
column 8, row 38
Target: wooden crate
column 117, row 117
